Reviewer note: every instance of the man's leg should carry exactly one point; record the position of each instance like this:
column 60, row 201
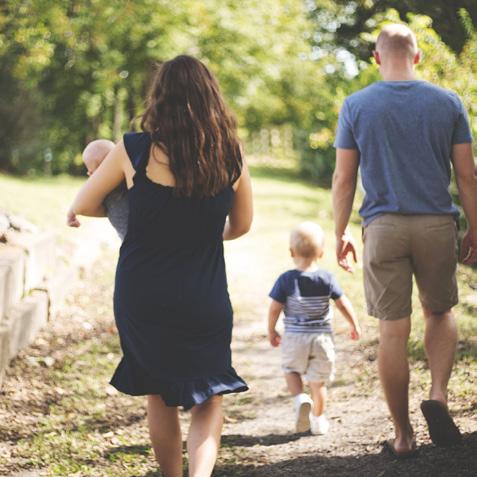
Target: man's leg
column 394, row 375
column 440, row 341
column 435, row 261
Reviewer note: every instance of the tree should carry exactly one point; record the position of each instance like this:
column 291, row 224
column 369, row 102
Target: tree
column 342, row 23
column 85, row 66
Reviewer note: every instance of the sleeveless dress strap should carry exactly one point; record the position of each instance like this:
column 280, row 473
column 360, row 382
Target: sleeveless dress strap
column 138, row 147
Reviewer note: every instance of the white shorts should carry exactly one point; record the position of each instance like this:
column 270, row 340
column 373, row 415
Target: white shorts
column 309, row 354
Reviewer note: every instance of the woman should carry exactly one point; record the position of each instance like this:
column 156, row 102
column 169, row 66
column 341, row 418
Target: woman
column 185, row 174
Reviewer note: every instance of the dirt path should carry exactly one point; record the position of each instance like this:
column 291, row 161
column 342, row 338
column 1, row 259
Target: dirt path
column 258, row 436
column 58, row 416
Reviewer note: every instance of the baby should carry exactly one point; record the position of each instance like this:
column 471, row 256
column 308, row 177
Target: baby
column 303, row 294
column 115, row 203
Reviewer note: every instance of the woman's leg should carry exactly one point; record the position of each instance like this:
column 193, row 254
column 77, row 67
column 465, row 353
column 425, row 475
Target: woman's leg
column 166, row 437
column 204, row 436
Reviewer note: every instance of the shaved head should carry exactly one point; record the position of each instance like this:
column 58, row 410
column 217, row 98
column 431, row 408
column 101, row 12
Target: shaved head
column 398, row 41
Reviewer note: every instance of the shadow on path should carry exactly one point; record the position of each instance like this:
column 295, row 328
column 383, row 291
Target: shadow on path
column 138, row 449
column 458, row 461
column 250, row 441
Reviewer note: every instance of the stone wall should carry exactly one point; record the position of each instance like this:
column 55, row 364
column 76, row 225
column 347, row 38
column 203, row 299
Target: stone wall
column 34, row 281
column 36, row 275
column 27, row 263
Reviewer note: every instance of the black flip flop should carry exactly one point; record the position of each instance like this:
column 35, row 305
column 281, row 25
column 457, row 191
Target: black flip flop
column 389, row 445
column 442, row 429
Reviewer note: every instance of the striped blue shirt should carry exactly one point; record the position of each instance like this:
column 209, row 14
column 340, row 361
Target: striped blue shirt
column 306, row 298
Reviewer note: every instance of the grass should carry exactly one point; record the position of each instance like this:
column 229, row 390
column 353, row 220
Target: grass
column 80, row 426
column 43, row 201
column 282, row 198
column 85, row 429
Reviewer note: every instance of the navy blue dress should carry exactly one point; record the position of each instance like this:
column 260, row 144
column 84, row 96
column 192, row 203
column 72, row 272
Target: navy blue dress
column 171, row 302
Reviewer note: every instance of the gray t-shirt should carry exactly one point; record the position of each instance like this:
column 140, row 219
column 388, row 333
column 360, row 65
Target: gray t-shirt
column 117, row 209
column 404, row 131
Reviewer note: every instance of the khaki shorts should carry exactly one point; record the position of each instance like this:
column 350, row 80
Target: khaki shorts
column 309, row 354
column 396, row 247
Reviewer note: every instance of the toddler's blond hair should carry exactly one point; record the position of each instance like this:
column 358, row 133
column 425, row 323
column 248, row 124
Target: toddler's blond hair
column 307, row 240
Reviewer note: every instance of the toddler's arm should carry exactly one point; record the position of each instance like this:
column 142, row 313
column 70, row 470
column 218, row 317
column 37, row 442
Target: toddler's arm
column 273, row 314
column 346, row 308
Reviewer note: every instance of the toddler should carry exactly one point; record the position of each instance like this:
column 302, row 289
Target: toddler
column 116, row 203
column 303, row 294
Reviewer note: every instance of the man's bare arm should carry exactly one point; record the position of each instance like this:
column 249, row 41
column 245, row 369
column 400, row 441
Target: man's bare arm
column 465, row 174
column 344, row 188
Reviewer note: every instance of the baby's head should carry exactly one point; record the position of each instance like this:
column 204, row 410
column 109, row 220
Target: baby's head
column 307, row 241
column 95, row 152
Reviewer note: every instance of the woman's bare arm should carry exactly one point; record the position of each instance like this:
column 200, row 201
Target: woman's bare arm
column 241, row 213
column 90, row 198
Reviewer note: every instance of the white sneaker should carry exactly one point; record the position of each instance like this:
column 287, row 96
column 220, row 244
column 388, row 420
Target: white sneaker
column 302, row 406
column 319, row 424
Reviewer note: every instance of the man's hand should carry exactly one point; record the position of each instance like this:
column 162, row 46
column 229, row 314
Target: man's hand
column 344, row 246
column 468, row 248
column 466, row 179
column 274, row 338
column 72, row 220
column 344, row 187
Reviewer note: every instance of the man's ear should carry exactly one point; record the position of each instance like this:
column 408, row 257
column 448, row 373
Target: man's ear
column 376, row 57
column 292, row 253
column 417, row 57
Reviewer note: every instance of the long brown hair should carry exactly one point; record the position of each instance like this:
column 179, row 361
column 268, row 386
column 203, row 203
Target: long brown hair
column 188, row 119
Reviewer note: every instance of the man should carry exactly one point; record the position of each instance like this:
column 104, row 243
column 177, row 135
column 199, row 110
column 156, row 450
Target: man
column 404, row 134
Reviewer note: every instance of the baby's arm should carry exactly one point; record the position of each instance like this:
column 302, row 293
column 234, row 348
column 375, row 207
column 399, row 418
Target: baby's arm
column 273, row 314
column 346, row 308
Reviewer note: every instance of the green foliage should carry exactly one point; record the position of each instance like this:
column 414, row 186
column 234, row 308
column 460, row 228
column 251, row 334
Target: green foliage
column 74, row 71
column 440, row 65
column 341, row 22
